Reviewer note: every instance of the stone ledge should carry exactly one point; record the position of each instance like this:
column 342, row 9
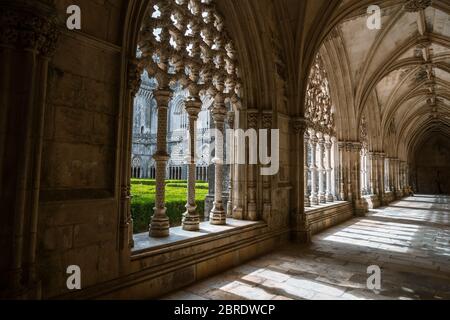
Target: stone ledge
column 179, row 238
column 165, row 268
column 328, row 215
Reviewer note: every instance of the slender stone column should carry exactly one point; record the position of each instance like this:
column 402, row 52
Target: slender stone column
column 301, row 231
column 267, row 122
column 252, row 122
column 306, row 169
column 29, row 33
column 230, row 119
column 362, row 174
column 350, row 170
column 160, row 225
column 329, row 169
column 314, row 196
column 373, row 173
column 342, row 191
column 218, row 215
column 382, row 175
column 322, row 172
column 334, row 169
column 191, row 219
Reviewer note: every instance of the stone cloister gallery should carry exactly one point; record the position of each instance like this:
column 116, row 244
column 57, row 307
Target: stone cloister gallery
column 357, row 119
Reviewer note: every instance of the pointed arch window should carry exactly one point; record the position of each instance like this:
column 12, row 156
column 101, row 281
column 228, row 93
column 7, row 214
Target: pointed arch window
column 320, row 142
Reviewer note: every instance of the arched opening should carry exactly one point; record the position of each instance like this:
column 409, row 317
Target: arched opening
column 189, row 90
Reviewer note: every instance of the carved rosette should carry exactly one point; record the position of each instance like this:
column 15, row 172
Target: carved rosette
column 29, row 30
column 417, row 5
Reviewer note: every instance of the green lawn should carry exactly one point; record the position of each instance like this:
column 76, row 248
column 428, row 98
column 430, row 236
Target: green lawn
column 143, row 201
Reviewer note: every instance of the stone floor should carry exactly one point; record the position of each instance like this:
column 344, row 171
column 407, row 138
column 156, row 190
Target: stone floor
column 409, row 241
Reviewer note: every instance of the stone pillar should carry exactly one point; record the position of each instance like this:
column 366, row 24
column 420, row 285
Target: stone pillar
column 382, row 175
column 29, row 33
column 373, row 173
column 390, row 175
column 231, row 162
column 160, row 224
column 218, row 215
column 342, row 190
column 328, row 146
column 314, row 196
column 360, row 204
column 191, row 218
column 306, row 142
column 301, row 231
column 267, row 180
column 350, row 170
column 322, row 172
column 252, row 123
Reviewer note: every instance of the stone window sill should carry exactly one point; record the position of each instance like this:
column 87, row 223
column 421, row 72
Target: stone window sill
column 143, row 244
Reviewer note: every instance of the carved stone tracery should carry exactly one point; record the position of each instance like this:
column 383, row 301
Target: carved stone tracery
column 319, row 108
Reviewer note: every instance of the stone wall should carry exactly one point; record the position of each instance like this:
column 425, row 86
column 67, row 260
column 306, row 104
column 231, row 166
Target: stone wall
column 433, row 166
column 78, row 214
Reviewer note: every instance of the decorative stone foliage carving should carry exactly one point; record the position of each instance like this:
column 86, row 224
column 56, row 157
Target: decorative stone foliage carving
column 28, row 30
column 185, row 41
column 417, row 5
column 364, row 132
column 135, row 68
column 318, row 99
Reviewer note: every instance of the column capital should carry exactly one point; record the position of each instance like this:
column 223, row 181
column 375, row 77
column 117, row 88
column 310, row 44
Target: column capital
column 162, row 97
column 219, row 112
column 252, row 118
column 267, row 117
column 300, row 126
column 135, row 69
column 193, row 106
column 314, row 139
column 230, row 119
column 29, row 25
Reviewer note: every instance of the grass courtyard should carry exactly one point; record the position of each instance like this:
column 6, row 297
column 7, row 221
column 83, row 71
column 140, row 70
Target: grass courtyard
column 143, row 201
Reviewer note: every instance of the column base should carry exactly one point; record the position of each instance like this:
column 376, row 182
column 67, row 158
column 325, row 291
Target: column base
column 301, row 233
column 191, row 222
column 361, row 207
column 307, row 202
column 159, row 227
column 238, row 213
column 372, row 201
column 218, row 217
column 322, row 198
column 229, row 209
column 252, row 215
column 301, row 236
column 314, row 200
column 330, row 198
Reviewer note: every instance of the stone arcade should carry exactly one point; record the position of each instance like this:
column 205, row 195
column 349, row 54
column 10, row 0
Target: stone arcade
column 363, row 116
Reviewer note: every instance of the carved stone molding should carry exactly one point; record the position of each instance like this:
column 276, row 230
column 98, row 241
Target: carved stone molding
column 319, row 105
column 30, row 29
column 252, row 119
column 135, row 68
column 299, row 126
column 267, row 120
